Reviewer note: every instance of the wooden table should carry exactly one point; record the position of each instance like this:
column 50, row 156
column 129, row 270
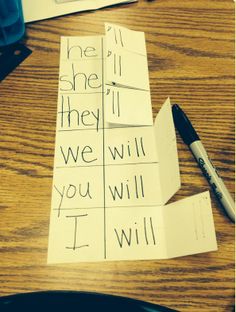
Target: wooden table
column 190, row 47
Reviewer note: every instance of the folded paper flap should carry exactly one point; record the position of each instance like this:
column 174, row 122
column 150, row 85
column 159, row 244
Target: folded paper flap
column 127, row 68
column 128, row 106
column 128, row 101
column 167, row 152
column 189, row 226
column 125, row 39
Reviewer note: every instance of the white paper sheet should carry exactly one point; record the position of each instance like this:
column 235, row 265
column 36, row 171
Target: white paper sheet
column 35, row 10
column 111, row 181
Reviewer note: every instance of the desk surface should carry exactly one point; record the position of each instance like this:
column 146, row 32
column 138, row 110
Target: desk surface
column 190, row 47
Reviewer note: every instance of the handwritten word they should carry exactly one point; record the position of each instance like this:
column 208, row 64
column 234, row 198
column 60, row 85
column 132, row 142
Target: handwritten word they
column 72, row 117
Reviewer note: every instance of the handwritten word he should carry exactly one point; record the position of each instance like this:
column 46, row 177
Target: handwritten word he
column 80, row 52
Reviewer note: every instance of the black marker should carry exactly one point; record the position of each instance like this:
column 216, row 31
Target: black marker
column 191, row 138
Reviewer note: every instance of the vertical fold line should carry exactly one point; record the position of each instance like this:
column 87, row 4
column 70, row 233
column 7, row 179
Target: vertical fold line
column 103, row 158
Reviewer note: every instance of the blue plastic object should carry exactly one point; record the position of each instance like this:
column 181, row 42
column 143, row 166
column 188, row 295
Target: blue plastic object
column 12, row 27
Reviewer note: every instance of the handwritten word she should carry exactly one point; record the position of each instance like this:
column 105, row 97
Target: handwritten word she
column 79, row 81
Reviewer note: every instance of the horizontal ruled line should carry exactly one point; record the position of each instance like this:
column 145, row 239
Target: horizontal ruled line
column 71, row 93
column 69, row 130
column 125, row 127
column 107, row 165
column 102, row 207
column 81, row 59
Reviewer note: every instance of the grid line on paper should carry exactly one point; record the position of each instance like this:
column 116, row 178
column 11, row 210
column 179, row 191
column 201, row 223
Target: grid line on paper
column 72, row 93
column 106, row 128
column 110, row 207
column 103, row 151
column 107, row 165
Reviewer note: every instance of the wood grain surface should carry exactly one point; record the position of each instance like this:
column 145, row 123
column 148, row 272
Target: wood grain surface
column 190, row 47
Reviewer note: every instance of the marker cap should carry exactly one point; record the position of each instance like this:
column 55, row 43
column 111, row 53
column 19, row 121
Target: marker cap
column 184, row 126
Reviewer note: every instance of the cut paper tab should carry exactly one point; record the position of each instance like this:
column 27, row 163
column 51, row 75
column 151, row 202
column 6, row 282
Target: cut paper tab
column 128, row 106
column 189, row 226
column 111, row 181
column 127, row 69
column 124, row 38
